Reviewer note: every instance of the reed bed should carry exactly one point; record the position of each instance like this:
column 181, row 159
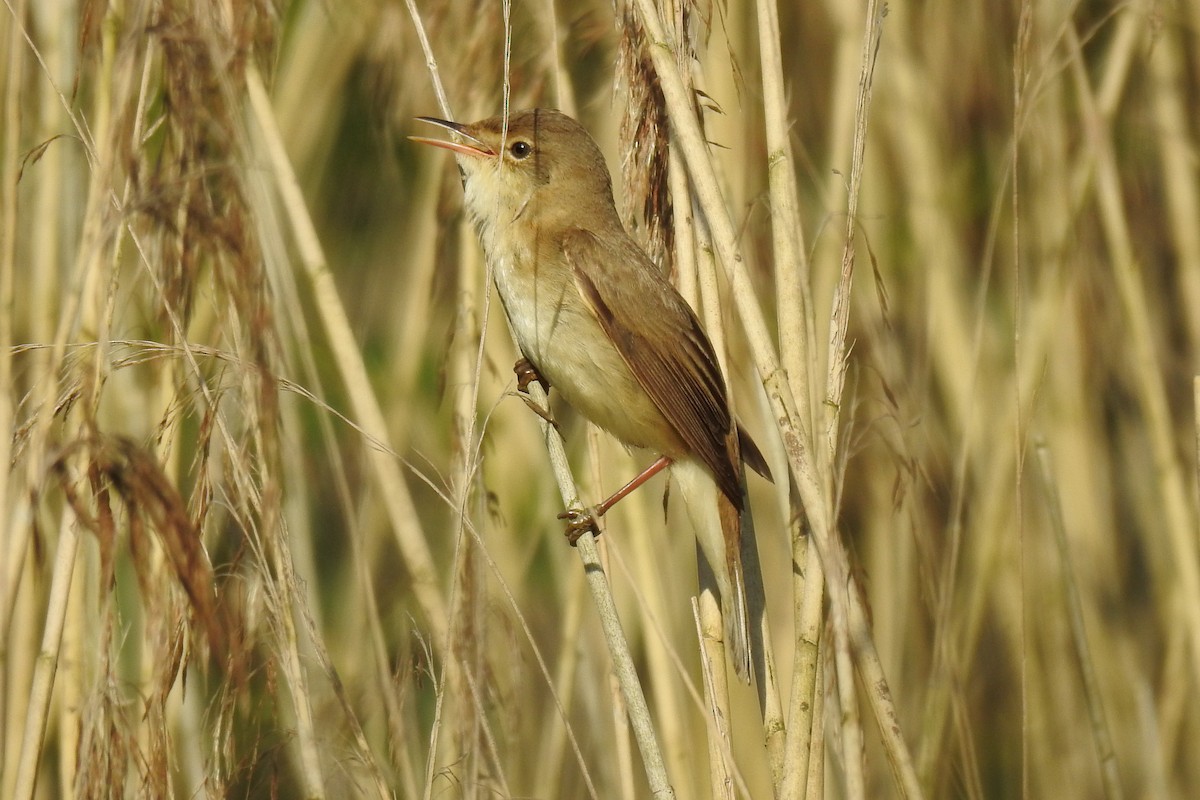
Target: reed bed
column 275, row 522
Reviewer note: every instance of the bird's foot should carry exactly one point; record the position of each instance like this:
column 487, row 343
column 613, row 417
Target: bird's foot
column 579, row 522
column 526, row 374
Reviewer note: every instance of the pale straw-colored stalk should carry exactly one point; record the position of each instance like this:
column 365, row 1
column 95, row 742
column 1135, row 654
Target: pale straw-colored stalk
column 720, row 748
column 1172, row 113
column 1101, row 734
column 8, row 251
column 552, row 749
column 867, row 659
column 796, row 340
column 284, row 283
column 958, row 357
column 393, row 490
column 12, row 542
column 489, row 738
column 47, row 660
column 797, row 336
column 639, row 560
column 1179, row 515
column 623, row 667
column 803, row 755
column 90, row 264
column 814, row 491
column 797, row 346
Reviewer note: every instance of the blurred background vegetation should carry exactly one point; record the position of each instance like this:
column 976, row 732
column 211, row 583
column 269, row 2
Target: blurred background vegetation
column 275, row 525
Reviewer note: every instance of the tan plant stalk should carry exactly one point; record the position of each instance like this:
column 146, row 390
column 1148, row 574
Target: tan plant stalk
column 552, row 750
column 90, row 259
column 796, row 340
column 814, row 789
column 803, row 720
column 465, row 651
column 12, row 543
column 386, row 471
column 868, row 662
column 817, row 503
column 791, row 275
column 8, row 250
column 488, row 737
column 435, row 733
column 1101, row 735
column 639, row 565
column 691, row 142
column 623, row 667
column 1179, row 171
column 720, row 748
column 1179, row 516
column 564, row 92
column 43, row 677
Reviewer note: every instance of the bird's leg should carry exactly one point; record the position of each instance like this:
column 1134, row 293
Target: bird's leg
column 580, row 520
column 526, row 374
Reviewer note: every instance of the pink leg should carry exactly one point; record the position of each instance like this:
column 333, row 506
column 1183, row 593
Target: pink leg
column 580, row 520
column 620, row 494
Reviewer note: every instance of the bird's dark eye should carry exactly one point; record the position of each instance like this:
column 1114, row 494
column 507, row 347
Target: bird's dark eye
column 521, row 149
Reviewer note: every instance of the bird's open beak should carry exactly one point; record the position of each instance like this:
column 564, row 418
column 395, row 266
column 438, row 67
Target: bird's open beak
column 475, row 148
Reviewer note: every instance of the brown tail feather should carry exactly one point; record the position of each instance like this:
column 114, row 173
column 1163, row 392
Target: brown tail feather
column 734, row 609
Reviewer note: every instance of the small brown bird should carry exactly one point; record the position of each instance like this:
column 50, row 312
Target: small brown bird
column 600, row 323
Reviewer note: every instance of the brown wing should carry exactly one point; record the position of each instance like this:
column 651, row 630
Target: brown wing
column 664, row 345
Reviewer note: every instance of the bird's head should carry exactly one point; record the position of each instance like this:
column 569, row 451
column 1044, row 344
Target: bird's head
column 541, row 159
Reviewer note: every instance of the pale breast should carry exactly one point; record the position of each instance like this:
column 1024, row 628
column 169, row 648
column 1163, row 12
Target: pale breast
column 557, row 332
